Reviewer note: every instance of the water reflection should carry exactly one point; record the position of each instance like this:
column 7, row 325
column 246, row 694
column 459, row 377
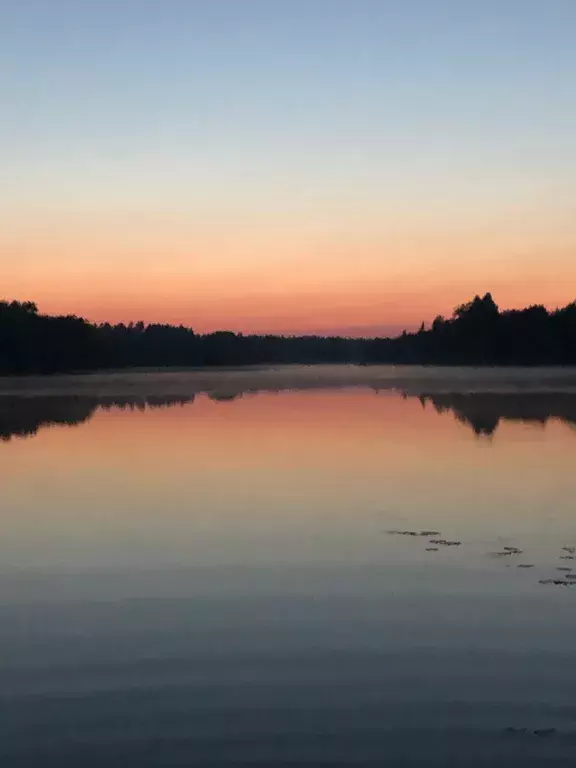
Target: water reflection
column 219, row 585
column 25, row 416
column 481, row 411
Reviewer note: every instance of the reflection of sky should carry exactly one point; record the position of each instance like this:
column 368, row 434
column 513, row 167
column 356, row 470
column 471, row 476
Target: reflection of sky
column 294, row 477
column 218, row 579
column 289, row 165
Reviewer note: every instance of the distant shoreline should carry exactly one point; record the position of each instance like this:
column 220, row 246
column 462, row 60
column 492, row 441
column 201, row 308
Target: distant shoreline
column 228, row 381
column 477, row 334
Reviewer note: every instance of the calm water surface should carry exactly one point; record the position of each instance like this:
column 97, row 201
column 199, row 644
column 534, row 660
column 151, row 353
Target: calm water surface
column 237, row 580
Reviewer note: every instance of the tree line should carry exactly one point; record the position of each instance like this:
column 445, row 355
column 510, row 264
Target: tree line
column 477, row 333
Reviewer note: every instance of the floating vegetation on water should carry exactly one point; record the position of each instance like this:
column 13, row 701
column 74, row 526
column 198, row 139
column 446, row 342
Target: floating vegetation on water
column 507, row 553
column 565, row 576
column 542, row 732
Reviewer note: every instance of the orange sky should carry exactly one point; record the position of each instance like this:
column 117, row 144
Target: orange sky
column 304, row 168
column 291, row 279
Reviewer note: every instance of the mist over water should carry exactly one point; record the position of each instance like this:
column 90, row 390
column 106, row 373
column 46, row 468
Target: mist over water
column 330, row 566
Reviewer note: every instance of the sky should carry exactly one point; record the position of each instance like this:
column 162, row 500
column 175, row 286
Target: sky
column 331, row 166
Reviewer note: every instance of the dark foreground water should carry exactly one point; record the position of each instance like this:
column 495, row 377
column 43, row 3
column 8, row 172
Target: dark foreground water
column 320, row 576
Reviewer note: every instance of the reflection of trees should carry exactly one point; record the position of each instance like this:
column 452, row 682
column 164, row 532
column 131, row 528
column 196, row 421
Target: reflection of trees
column 141, row 402
column 225, row 397
column 24, row 416
column 484, row 411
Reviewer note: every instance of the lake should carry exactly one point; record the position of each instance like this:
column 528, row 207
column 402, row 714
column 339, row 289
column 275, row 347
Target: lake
column 332, row 566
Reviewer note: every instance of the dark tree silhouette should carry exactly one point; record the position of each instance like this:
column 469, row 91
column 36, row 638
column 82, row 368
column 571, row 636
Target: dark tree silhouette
column 478, row 333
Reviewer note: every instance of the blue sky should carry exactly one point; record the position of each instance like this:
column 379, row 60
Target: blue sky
column 291, row 128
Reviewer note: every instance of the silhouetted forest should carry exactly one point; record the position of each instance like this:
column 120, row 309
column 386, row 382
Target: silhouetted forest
column 478, row 333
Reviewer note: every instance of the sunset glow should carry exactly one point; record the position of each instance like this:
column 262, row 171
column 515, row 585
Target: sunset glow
column 292, row 167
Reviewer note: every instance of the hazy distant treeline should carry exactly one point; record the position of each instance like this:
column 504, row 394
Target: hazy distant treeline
column 476, row 334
